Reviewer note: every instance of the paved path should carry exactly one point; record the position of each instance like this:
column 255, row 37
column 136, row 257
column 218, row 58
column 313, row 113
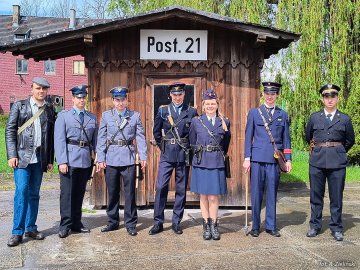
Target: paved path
column 118, row 250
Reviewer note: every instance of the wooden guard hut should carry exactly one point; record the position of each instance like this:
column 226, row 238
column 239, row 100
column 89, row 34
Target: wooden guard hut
column 147, row 52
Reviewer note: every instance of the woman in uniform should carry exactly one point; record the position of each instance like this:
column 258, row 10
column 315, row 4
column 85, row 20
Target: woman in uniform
column 210, row 137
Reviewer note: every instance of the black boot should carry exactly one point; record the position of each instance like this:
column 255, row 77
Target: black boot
column 206, row 230
column 214, row 229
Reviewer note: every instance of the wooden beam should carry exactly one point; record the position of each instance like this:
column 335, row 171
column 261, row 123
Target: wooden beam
column 260, row 41
column 89, row 40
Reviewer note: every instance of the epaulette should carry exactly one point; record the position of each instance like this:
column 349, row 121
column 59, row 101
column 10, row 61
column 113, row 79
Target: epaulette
column 161, row 110
column 63, row 111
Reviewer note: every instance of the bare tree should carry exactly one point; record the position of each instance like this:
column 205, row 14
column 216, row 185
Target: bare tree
column 60, row 8
column 95, row 9
column 32, row 7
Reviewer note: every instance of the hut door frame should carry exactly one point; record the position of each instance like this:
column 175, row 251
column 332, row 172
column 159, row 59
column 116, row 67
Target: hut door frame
column 198, row 80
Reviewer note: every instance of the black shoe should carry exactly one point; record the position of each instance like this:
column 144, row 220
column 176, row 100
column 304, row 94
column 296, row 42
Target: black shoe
column 215, row 234
column 274, row 233
column 254, row 233
column 109, row 228
column 63, row 233
column 35, row 235
column 157, row 228
column 131, row 231
column 206, row 230
column 338, row 236
column 14, row 240
column 81, row 230
column 312, row 232
column 176, row 228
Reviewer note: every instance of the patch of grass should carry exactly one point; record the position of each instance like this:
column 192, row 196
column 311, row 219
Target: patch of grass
column 3, row 159
column 300, row 170
column 7, row 187
column 86, row 210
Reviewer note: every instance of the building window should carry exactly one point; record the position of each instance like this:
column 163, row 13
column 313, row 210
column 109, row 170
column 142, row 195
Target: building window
column 50, row 67
column 21, row 66
column 79, row 67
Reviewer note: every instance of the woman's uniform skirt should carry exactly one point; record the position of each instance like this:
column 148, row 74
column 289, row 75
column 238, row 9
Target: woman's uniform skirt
column 208, row 181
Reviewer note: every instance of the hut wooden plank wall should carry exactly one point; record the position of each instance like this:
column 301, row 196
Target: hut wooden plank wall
column 236, row 52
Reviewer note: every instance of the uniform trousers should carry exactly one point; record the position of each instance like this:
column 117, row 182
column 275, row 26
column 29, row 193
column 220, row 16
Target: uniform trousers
column 112, row 177
column 336, row 183
column 72, row 191
column 264, row 174
column 162, row 189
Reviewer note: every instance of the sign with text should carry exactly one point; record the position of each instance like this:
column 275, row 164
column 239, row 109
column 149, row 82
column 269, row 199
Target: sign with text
column 173, row 44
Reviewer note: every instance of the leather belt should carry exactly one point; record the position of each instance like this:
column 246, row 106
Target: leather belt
column 119, row 142
column 211, row 148
column 78, row 143
column 327, row 144
column 173, row 140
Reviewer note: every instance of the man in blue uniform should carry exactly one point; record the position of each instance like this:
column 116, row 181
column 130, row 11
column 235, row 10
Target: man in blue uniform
column 171, row 132
column 330, row 134
column 119, row 127
column 259, row 156
column 30, row 152
column 75, row 140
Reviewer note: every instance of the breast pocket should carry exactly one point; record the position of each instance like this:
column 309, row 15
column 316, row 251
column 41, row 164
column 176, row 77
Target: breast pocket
column 112, row 128
column 319, row 126
column 90, row 129
column 74, row 130
column 279, row 125
column 259, row 123
column 130, row 130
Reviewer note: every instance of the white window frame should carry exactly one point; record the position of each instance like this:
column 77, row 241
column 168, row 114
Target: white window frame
column 22, row 71
column 50, row 64
column 77, row 69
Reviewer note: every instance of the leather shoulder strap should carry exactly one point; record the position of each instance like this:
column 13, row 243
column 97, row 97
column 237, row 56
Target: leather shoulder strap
column 31, row 120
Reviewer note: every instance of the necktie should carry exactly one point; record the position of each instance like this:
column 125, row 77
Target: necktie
column 81, row 116
column 328, row 118
column 177, row 110
column 213, row 121
column 269, row 110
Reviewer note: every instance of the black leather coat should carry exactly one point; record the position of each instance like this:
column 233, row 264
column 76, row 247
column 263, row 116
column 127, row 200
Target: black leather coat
column 22, row 146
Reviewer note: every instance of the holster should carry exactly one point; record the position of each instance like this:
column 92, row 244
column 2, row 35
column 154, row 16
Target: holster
column 227, row 166
column 311, row 146
column 139, row 173
column 197, row 149
column 187, row 157
column 162, row 146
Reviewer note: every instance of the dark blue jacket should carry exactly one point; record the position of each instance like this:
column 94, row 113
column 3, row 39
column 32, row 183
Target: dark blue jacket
column 339, row 130
column 257, row 141
column 173, row 152
column 200, row 136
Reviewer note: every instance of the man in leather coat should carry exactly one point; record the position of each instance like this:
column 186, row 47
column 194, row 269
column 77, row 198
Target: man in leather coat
column 30, row 152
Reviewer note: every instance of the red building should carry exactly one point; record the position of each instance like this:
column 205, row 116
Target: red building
column 17, row 71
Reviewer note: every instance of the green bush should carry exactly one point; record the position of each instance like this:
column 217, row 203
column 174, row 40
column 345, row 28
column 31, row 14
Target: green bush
column 3, row 120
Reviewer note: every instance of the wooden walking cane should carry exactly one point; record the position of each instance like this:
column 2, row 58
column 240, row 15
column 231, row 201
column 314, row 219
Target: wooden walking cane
column 246, row 202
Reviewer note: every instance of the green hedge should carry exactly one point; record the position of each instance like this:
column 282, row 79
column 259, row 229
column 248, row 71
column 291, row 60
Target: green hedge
column 3, row 120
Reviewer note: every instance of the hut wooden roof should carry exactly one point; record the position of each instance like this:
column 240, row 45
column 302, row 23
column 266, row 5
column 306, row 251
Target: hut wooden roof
column 57, row 41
